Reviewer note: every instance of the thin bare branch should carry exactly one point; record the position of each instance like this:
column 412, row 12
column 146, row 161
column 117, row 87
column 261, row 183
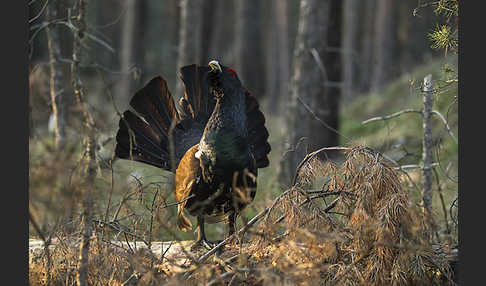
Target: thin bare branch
column 320, row 120
column 396, row 114
column 40, row 12
column 446, row 125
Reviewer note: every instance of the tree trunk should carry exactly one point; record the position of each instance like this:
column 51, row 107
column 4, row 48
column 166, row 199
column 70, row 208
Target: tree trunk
column 36, row 49
column 307, row 91
column 278, row 53
column 350, row 46
column 170, row 29
column 126, row 55
column 210, row 22
column 272, row 50
column 218, row 41
column 90, row 143
column 109, row 14
column 427, row 149
column 413, row 42
column 385, row 44
column 366, row 57
column 250, row 64
column 57, row 76
column 327, row 105
column 189, row 37
column 139, row 38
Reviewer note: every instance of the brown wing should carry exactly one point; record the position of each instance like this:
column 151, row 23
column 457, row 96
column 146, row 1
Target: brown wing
column 185, row 179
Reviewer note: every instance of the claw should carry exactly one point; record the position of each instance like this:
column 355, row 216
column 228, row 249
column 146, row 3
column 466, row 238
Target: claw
column 204, row 243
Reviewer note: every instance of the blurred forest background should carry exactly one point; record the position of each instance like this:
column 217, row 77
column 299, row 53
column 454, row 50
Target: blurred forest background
column 319, row 68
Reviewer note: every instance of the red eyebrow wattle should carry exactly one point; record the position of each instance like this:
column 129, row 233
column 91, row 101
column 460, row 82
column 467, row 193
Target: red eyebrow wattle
column 232, row 71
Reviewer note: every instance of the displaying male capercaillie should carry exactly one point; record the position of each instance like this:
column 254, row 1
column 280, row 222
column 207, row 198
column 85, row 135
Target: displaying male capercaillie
column 219, row 142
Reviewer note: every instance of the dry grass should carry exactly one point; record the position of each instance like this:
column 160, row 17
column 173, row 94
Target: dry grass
column 357, row 227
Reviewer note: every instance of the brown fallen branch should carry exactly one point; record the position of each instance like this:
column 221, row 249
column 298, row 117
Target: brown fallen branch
column 117, row 227
column 309, row 156
column 326, row 210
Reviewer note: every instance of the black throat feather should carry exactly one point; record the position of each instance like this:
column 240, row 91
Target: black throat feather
column 224, row 145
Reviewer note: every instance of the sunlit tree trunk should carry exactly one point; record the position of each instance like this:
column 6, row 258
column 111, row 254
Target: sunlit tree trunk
column 90, row 165
column 57, row 75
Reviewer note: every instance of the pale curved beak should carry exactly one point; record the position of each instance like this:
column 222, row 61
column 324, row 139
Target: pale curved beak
column 214, row 65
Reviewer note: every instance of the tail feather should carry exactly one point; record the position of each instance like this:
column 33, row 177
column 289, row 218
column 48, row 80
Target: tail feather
column 145, row 138
column 196, row 90
column 187, row 111
column 137, row 141
column 155, row 103
column 257, row 132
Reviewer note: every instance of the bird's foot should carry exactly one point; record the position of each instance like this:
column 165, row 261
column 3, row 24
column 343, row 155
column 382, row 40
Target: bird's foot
column 204, row 243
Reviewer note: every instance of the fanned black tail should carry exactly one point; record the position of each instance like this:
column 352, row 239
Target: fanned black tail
column 257, row 132
column 145, row 138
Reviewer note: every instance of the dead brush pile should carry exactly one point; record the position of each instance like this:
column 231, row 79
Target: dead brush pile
column 357, row 228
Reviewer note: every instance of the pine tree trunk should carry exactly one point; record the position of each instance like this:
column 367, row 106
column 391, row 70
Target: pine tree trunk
column 350, row 46
column 366, row 64
column 89, row 144
column 250, row 64
column 427, row 149
column 57, row 75
column 307, row 87
column 139, row 38
column 217, row 18
column 109, row 24
column 209, row 24
column 327, row 104
column 412, row 35
column 278, row 53
column 189, row 37
column 385, row 44
column 272, row 51
column 170, row 30
column 126, row 55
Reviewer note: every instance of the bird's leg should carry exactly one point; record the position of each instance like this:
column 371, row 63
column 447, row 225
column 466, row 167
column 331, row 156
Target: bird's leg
column 232, row 224
column 201, row 236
